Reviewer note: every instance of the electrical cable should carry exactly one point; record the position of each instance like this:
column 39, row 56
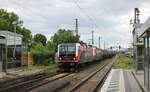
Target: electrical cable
column 82, row 10
column 31, row 9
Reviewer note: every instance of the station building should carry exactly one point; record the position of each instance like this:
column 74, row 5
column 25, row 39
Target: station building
column 138, row 47
column 138, row 44
column 145, row 34
column 10, row 50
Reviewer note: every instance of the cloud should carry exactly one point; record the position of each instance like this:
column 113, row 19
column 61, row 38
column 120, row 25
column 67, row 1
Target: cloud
column 111, row 17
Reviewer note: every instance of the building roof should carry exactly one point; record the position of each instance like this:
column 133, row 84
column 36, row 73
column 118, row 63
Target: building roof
column 5, row 33
column 144, row 28
column 10, row 38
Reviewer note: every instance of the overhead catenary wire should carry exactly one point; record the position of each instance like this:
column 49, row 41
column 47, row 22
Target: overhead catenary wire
column 31, row 9
column 85, row 13
column 45, row 17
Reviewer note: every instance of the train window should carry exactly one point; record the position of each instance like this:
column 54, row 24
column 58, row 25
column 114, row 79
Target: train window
column 61, row 48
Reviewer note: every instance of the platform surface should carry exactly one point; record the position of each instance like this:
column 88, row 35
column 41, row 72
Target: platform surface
column 120, row 80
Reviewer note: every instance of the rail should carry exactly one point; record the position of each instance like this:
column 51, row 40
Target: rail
column 101, row 69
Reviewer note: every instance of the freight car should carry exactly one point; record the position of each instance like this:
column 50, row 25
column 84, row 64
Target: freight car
column 71, row 55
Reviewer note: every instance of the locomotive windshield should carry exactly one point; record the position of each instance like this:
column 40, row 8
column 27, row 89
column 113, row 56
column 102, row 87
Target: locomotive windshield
column 67, row 50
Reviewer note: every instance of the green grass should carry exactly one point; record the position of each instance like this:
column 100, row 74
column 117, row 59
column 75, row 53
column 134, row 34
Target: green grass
column 51, row 69
column 124, row 62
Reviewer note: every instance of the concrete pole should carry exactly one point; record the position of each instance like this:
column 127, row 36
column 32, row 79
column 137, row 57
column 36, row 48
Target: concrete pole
column 14, row 52
column 104, row 45
column 76, row 30
column 92, row 37
column 99, row 41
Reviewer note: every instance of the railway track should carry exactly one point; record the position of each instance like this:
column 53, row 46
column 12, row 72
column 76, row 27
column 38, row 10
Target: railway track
column 86, row 83
column 61, row 85
column 93, row 81
column 23, row 84
column 57, row 81
column 23, row 78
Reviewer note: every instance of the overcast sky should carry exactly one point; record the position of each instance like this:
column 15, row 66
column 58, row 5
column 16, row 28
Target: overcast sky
column 110, row 16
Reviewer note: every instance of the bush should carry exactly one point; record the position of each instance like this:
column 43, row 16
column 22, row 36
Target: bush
column 42, row 55
column 47, row 62
column 124, row 62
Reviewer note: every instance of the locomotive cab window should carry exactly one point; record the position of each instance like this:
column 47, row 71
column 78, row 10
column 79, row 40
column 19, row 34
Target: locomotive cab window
column 67, row 50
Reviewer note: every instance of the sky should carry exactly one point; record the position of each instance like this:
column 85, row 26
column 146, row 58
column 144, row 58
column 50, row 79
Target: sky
column 108, row 18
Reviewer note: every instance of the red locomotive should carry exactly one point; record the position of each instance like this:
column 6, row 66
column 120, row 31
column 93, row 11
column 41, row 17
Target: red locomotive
column 71, row 55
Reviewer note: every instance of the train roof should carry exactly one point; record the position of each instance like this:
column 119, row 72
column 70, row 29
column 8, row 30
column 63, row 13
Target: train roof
column 69, row 43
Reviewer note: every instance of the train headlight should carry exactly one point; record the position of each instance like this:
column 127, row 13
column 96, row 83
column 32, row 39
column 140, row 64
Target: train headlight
column 74, row 58
column 59, row 58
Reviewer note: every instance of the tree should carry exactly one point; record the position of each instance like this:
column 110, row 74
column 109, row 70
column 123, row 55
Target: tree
column 27, row 36
column 40, row 38
column 50, row 45
column 38, row 48
column 8, row 20
column 62, row 36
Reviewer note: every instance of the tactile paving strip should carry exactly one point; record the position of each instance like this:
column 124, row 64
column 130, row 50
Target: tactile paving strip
column 114, row 82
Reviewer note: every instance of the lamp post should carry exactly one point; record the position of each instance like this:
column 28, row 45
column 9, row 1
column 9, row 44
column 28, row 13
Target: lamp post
column 14, row 52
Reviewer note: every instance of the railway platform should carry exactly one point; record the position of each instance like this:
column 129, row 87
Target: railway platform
column 24, row 71
column 12, row 73
column 120, row 80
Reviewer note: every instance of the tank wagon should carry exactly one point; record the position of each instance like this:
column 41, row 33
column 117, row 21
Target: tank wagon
column 71, row 55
